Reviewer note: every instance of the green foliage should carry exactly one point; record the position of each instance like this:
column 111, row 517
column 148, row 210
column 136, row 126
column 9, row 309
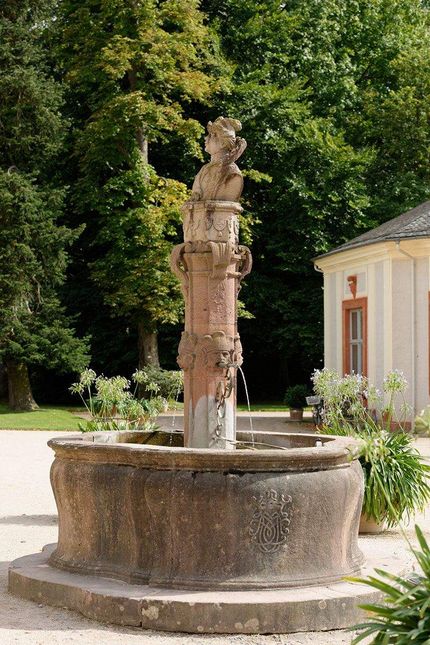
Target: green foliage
column 134, row 272
column 333, row 97
column 112, row 406
column 133, row 69
column 295, row 396
column 166, row 383
column 404, row 618
column 334, row 100
column 32, row 129
column 397, row 481
column 396, row 477
column 34, row 328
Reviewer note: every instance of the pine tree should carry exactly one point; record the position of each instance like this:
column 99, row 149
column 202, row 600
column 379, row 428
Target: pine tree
column 34, row 329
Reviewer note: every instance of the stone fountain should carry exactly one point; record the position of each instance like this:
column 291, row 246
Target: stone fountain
column 217, row 532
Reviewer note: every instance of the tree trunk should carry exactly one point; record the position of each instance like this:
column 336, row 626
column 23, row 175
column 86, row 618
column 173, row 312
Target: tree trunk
column 147, row 342
column 141, row 139
column 3, row 383
column 20, row 394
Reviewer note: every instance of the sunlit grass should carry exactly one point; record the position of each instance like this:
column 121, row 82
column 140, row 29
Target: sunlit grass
column 46, row 418
column 64, row 418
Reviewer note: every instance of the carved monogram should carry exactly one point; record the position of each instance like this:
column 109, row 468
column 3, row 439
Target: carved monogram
column 270, row 522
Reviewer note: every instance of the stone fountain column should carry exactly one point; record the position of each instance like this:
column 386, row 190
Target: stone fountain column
column 210, row 264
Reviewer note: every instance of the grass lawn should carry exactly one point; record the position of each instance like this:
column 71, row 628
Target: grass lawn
column 263, row 407
column 46, row 418
column 58, row 418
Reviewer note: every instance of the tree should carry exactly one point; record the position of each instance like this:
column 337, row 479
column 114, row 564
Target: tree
column 34, row 329
column 134, row 69
column 334, row 101
column 365, row 65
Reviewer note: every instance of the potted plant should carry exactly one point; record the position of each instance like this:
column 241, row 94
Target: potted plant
column 396, row 478
column 422, row 422
column 295, row 399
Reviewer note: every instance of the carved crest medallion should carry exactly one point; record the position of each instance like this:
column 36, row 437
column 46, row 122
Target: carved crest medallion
column 270, row 522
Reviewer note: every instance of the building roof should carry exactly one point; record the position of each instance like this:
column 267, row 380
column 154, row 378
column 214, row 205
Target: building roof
column 412, row 224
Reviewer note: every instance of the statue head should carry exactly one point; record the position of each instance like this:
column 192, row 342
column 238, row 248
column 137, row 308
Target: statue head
column 187, row 349
column 217, row 350
column 221, row 141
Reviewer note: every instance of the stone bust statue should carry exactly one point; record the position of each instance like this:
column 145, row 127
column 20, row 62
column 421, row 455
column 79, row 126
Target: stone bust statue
column 221, row 179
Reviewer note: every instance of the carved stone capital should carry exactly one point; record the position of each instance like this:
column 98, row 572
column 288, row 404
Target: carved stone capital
column 224, row 254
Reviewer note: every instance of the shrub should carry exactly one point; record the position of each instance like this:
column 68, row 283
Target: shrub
column 295, row 397
column 166, row 383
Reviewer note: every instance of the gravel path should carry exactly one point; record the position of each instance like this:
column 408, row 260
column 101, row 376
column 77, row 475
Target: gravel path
column 28, row 522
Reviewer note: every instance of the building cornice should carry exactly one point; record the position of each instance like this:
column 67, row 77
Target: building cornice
column 373, row 253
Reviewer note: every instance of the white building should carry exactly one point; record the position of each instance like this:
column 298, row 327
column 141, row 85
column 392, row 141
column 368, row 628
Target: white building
column 376, row 303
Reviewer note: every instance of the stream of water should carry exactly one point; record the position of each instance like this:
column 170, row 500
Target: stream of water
column 248, row 402
column 175, row 408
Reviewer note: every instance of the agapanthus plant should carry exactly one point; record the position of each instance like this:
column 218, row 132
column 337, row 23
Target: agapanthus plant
column 111, row 405
column 396, row 477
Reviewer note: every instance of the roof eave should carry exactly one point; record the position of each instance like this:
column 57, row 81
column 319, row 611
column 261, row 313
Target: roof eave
column 392, row 238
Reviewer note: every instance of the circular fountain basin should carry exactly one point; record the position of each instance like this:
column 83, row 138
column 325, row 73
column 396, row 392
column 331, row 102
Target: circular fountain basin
column 285, row 515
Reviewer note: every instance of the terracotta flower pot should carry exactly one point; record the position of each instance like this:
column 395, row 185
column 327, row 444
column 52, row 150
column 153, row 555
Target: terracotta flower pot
column 368, row 525
column 296, row 414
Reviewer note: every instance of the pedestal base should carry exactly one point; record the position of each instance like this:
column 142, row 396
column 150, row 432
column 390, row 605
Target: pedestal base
column 318, row 608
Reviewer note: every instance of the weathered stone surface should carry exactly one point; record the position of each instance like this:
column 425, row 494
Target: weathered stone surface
column 259, row 519
column 317, row 608
column 210, row 265
column 221, row 179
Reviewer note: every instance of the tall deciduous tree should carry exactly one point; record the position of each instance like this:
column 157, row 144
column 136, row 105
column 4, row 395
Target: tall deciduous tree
column 334, row 98
column 33, row 326
column 134, row 69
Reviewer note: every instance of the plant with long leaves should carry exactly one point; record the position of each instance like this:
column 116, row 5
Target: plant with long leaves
column 111, row 406
column 396, row 477
column 404, row 618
